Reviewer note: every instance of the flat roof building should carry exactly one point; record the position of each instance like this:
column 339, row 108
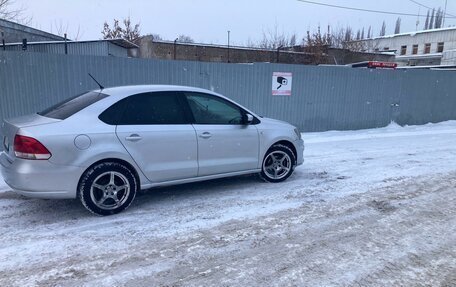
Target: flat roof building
column 108, row 47
column 419, row 48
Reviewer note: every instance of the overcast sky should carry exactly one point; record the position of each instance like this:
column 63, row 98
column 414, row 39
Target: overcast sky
column 209, row 20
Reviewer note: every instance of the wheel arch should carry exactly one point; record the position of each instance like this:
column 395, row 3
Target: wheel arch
column 116, row 160
column 288, row 144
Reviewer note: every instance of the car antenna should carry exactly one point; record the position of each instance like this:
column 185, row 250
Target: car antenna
column 101, row 87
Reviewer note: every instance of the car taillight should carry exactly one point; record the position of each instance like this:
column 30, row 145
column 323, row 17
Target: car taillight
column 30, row 148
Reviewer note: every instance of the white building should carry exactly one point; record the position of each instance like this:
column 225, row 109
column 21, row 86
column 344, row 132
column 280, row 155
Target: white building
column 420, row 48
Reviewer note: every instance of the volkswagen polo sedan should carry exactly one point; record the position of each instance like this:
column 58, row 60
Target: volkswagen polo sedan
column 105, row 145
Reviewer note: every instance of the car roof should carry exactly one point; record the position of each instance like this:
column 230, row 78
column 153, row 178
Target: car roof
column 125, row 90
column 120, row 92
column 117, row 93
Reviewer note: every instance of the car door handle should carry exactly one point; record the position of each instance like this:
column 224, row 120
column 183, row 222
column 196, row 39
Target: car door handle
column 133, row 138
column 205, row 135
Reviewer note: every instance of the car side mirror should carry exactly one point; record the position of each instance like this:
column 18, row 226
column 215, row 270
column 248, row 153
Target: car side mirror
column 247, row 119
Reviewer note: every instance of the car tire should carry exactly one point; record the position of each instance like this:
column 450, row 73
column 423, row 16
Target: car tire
column 107, row 188
column 278, row 164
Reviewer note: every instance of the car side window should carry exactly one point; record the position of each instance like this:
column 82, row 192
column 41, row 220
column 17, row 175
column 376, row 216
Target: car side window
column 208, row 109
column 155, row 108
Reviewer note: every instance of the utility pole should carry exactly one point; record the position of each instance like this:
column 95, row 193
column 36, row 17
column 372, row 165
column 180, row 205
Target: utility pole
column 444, row 14
column 228, row 58
column 418, row 19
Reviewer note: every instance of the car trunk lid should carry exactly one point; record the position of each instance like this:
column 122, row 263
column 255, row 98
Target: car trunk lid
column 10, row 127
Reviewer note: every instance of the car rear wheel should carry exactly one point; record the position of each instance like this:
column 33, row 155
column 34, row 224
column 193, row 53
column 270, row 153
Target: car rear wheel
column 278, row 164
column 107, row 188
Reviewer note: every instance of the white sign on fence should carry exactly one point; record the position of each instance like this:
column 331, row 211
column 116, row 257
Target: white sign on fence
column 281, row 84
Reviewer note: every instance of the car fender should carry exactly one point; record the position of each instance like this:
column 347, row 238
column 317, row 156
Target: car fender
column 114, row 151
column 267, row 141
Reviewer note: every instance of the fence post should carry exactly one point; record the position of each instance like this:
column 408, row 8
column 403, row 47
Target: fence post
column 24, row 44
column 66, row 45
column 3, row 41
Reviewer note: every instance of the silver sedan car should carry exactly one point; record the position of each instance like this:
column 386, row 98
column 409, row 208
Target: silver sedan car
column 105, row 145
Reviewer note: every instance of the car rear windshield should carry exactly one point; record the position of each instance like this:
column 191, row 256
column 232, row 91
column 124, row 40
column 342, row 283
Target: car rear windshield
column 72, row 105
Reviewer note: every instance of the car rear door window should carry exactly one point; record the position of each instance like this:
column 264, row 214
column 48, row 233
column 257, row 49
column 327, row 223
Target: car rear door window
column 156, row 108
column 208, row 109
column 72, row 105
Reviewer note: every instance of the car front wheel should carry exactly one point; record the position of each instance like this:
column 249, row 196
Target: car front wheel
column 278, row 163
column 107, row 188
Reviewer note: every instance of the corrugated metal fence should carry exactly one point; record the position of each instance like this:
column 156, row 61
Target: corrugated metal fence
column 323, row 98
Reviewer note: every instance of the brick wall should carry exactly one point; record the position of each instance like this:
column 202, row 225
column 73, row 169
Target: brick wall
column 213, row 53
column 217, row 53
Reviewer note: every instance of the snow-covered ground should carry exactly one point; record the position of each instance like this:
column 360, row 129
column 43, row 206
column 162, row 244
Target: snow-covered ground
column 368, row 208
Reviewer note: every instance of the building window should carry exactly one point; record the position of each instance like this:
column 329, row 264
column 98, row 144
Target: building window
column 403, row 50
column 415, row 49
column 427, row 48
column 440, row 47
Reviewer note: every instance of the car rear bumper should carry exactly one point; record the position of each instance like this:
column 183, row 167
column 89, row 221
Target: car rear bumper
column 40, row 178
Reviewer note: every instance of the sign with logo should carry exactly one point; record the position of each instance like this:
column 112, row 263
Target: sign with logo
column 281, row 84
column 381, row 65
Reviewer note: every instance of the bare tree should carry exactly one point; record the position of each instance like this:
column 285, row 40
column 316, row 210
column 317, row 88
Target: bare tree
column 292, row 41
column 348, row 34
column 156, row 37
column 317, row 44
column 439, row 18
column 128, row 32
column 317, row 39
column 59, row 28
column 131, row 33
column 434, row 19
column 397, row 29
column 112, row 33
column 9, row 11
column 337, row 37
column 76, row 36
column 426, row 24
column 275, row 39
column 185, row 39
column 348, row 42
column 369, row 32
column 250, row 43
column 383, row 30
column 431, row 22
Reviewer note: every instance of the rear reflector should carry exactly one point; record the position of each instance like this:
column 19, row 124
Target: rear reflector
column 30, row 148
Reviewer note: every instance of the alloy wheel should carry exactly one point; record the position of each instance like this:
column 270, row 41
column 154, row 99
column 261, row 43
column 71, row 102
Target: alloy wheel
column 277, row 165
column 110, row 190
